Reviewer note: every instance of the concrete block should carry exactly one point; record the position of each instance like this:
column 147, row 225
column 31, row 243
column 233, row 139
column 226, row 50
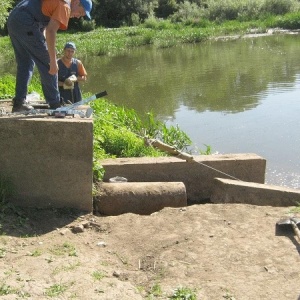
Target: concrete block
column 49, row 161
column 233, row 191
column 141, row 198
column 197, row 175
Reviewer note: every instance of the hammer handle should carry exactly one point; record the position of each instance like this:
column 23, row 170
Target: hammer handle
column 296, row 229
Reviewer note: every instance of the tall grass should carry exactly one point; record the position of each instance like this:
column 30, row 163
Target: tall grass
column 120, row 132
column 7, row 86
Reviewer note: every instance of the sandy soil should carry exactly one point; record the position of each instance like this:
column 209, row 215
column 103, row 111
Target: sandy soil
column 219, row 251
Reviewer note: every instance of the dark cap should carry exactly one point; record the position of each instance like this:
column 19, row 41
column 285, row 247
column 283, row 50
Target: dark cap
column 70, row 45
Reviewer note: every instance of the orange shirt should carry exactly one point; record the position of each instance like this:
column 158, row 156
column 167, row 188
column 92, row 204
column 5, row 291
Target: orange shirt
column 59, row 10
column 81, row 69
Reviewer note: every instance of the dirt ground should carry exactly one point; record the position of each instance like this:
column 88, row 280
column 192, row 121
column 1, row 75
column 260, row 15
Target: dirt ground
column 218, row 251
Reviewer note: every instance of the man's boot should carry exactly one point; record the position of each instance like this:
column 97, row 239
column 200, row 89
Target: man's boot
column 55, row 105
column 20, row 105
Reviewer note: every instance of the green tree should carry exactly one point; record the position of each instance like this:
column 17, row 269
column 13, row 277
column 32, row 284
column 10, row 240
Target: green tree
column 5, row 5
column 166, row 8
column 116, row 13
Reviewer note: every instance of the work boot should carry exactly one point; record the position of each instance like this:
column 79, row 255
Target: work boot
column 20, row 105
column 58, row 104
column 55, row 105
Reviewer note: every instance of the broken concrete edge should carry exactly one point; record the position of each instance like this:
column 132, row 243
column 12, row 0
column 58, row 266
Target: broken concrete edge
column 237, row 191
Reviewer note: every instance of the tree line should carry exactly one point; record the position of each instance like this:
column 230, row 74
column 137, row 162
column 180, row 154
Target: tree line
column 117, row 13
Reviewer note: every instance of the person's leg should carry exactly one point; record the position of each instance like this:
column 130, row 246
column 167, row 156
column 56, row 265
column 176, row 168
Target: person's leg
column 25, row 66
column 24, row 70
column 39, row 53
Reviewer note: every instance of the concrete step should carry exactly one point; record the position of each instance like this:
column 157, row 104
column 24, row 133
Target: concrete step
column 234, row 191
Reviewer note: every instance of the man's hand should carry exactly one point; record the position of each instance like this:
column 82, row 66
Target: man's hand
column 53, row 68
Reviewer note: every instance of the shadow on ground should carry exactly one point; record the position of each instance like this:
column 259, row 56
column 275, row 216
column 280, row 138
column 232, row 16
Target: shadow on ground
column 19, row 221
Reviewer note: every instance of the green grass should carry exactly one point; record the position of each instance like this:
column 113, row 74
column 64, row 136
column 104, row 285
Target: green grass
column 296, row 209
column 56, row 290
column 183, row 293
column 67, row 268
column 2, row 252
column 6, row 289
column 7, row 85
column 36, row 253
column 98, row 275
column 65, row 248
column 155, row 291
column 120, row 132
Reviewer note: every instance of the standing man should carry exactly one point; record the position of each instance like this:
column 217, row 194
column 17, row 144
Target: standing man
column 32, row 27
column 70, row 72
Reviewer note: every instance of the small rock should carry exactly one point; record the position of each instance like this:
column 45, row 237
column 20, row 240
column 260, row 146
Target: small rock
column 78, row 229
column 64, row 231
column 117, row 274
column 86, row 224
column 101, row 244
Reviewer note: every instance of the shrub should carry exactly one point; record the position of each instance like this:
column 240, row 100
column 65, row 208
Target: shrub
column 277, row 7
column 165, row 8
column 289, row 21
column 186, row 12
column 120, row 132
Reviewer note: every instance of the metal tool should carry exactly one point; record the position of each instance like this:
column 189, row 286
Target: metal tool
column 86, row 100
column 290, row 222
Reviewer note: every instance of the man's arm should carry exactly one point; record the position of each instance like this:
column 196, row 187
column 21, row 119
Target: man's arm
column 50, row 32
column 82, row 75
column 81, row 78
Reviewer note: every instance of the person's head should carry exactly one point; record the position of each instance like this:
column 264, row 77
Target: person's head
column 81, row 8
column 69, row 50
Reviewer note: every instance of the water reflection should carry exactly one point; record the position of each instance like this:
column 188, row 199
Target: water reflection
column 216, row 76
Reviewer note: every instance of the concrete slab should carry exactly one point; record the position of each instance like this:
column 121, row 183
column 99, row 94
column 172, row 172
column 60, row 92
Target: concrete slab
column 197, row 175
column 233, row 191
column 142, row 198
column 48, row 160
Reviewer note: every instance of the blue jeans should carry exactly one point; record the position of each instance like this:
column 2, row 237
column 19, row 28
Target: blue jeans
column 31, row 49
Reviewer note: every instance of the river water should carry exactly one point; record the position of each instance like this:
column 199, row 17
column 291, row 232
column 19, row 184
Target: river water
column 238, row 96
